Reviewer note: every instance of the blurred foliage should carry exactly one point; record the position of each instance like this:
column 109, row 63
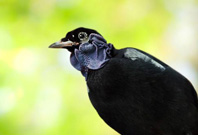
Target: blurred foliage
column 40, row 93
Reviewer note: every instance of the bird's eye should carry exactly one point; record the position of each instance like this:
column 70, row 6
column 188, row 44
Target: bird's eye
column 82, row 35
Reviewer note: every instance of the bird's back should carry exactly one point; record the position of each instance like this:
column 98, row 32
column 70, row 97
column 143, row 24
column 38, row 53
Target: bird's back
column 137, row 97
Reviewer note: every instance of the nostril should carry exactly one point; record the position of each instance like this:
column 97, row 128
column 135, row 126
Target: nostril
column 63, row 39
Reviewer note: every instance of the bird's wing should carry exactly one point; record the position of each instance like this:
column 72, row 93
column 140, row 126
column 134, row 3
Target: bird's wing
column 135, row 54
column 135, row 90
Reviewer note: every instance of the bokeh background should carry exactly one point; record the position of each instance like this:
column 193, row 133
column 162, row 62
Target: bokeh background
column 42, row 94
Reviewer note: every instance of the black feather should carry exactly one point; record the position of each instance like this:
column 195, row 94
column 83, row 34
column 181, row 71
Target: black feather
column 137, row 98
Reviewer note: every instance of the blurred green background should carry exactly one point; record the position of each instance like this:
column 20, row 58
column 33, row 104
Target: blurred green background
column 42, row 94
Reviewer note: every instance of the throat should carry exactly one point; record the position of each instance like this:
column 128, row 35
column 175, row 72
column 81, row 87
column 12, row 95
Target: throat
column 92, row 55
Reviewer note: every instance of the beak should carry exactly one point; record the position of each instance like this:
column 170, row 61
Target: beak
column 61, row 44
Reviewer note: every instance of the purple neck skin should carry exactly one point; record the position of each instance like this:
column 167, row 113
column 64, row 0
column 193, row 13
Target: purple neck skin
column 91, row 55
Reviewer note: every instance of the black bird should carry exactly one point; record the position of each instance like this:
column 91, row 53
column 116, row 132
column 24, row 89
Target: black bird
column 132, row 91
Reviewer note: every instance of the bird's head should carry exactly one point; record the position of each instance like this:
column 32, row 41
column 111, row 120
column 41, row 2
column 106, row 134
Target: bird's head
column 89, row 50
column 74, row 39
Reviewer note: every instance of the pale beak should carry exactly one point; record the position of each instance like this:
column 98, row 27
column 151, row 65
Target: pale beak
column 61, row 44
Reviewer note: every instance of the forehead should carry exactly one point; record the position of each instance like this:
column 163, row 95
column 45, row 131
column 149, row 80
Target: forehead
column 76, row 32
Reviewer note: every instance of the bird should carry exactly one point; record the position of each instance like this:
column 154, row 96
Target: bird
column 134, row 92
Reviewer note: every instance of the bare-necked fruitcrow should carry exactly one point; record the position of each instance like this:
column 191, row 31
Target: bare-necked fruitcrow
column 132, row 91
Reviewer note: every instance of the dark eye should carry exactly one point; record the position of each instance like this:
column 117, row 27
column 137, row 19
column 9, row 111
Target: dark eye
column 82, row 35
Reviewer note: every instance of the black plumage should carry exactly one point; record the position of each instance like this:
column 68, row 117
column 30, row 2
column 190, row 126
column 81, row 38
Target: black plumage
column 137, row 94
